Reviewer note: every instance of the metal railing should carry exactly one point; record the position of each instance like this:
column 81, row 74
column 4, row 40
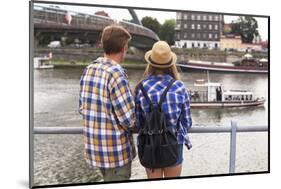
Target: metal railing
column 233, row 129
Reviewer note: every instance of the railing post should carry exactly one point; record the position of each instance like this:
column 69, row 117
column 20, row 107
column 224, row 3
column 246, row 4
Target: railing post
column 232, row 147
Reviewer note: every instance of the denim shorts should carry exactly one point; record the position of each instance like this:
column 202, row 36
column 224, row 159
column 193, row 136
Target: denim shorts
column 180, row 157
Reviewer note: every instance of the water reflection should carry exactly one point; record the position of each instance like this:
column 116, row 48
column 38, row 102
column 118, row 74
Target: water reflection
column 223, row 116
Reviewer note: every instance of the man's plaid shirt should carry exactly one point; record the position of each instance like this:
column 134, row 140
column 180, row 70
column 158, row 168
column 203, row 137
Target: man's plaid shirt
column 177, row 103
column 107, row 106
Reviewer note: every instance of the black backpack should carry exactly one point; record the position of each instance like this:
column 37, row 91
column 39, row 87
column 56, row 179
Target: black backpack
column 157, row 144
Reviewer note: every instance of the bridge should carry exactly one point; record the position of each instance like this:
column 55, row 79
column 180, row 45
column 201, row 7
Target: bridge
column 54, row 24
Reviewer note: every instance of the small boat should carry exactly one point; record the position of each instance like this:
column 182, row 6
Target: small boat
column 246, row 65
column 207, row 94
column 42, row 63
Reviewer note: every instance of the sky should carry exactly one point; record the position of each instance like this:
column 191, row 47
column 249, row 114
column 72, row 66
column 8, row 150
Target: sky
column 120, row 14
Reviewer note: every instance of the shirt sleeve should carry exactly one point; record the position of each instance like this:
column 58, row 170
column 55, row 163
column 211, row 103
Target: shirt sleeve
column 122, row 100
column 81, row 91
column 186, row 117
column 138, row 109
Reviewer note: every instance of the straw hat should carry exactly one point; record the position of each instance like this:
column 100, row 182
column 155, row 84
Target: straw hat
column 160, row 55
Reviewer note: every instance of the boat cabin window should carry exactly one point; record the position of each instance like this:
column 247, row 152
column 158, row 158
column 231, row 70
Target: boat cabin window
column 238, row 97
column 229, row 97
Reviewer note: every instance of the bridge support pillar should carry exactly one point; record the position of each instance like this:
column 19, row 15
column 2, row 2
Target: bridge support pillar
column 138, row 53
column 35, row 42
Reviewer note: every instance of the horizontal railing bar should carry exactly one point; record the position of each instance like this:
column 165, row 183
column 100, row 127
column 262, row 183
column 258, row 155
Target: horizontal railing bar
column 207, row 129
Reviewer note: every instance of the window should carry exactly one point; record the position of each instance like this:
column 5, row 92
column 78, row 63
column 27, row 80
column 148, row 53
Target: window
column 198, row 44
column 216, row 36
column 178, row 36
column 216, row 18
column 193, row 35
column 192, row 26
column 204, row 26
column 178, row 26
column 216, row 27
column 204, row 17
column 185, row 35
column 198, row 17
column 204, row 45
column 198, row 35
column 210, row 17
column 198, row 26
column 192, row 17
column 204, row 36
column 185, row 26
column 185, row 17
column 192, row 45
column 210, row 36
column 179, row 15
column 210, row 27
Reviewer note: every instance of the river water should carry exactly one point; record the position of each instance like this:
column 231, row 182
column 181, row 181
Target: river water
column 58, row 159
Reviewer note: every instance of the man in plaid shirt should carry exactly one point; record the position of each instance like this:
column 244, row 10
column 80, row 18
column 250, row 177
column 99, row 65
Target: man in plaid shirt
column 107, row 106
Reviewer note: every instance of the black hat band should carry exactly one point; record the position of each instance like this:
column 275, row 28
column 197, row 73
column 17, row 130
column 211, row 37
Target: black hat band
column 155, row 63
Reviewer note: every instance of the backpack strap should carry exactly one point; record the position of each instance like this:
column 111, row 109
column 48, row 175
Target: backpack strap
column 163, row 96
column 145, row 95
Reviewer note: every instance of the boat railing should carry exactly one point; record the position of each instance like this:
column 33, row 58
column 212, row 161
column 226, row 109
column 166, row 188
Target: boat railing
column 198, row 96
column 232, row 129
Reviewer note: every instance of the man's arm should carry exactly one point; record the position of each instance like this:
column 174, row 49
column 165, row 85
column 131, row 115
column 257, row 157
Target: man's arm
column 122, row 100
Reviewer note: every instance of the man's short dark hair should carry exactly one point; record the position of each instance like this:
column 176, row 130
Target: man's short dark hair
column 114, row 38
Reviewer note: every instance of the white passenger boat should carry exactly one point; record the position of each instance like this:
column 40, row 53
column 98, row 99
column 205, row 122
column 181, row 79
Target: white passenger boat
column 207, row 94
column 42, row 63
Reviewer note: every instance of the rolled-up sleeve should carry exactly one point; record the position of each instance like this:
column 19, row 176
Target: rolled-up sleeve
column 138, row 109
column 122, row 100
column 186, row 114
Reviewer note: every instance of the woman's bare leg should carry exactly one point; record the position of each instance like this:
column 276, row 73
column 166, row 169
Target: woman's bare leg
column 156, row 173
column 173, row 171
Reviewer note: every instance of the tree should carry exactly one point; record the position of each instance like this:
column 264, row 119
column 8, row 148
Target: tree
column 167, row 31
column 246, row 27
column 151, row 23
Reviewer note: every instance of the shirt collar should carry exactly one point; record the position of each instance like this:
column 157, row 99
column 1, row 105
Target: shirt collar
column 161, row 77
column 104, row 59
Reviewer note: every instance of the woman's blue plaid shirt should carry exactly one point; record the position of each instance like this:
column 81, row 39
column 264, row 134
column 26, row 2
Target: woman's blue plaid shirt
column 177, row 102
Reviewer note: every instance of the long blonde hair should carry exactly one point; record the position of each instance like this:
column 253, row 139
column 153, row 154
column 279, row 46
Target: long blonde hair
column 150, row 70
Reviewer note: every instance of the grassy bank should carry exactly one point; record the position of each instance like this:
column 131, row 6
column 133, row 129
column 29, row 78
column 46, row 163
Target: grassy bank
column 128, row 64
column 196, row 51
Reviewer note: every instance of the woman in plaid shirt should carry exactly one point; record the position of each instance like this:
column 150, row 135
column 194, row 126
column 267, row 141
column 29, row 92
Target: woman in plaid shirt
column 161, row 69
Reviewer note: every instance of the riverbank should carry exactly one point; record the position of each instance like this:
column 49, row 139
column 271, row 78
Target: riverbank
column 127, row 64
column 83, row 55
